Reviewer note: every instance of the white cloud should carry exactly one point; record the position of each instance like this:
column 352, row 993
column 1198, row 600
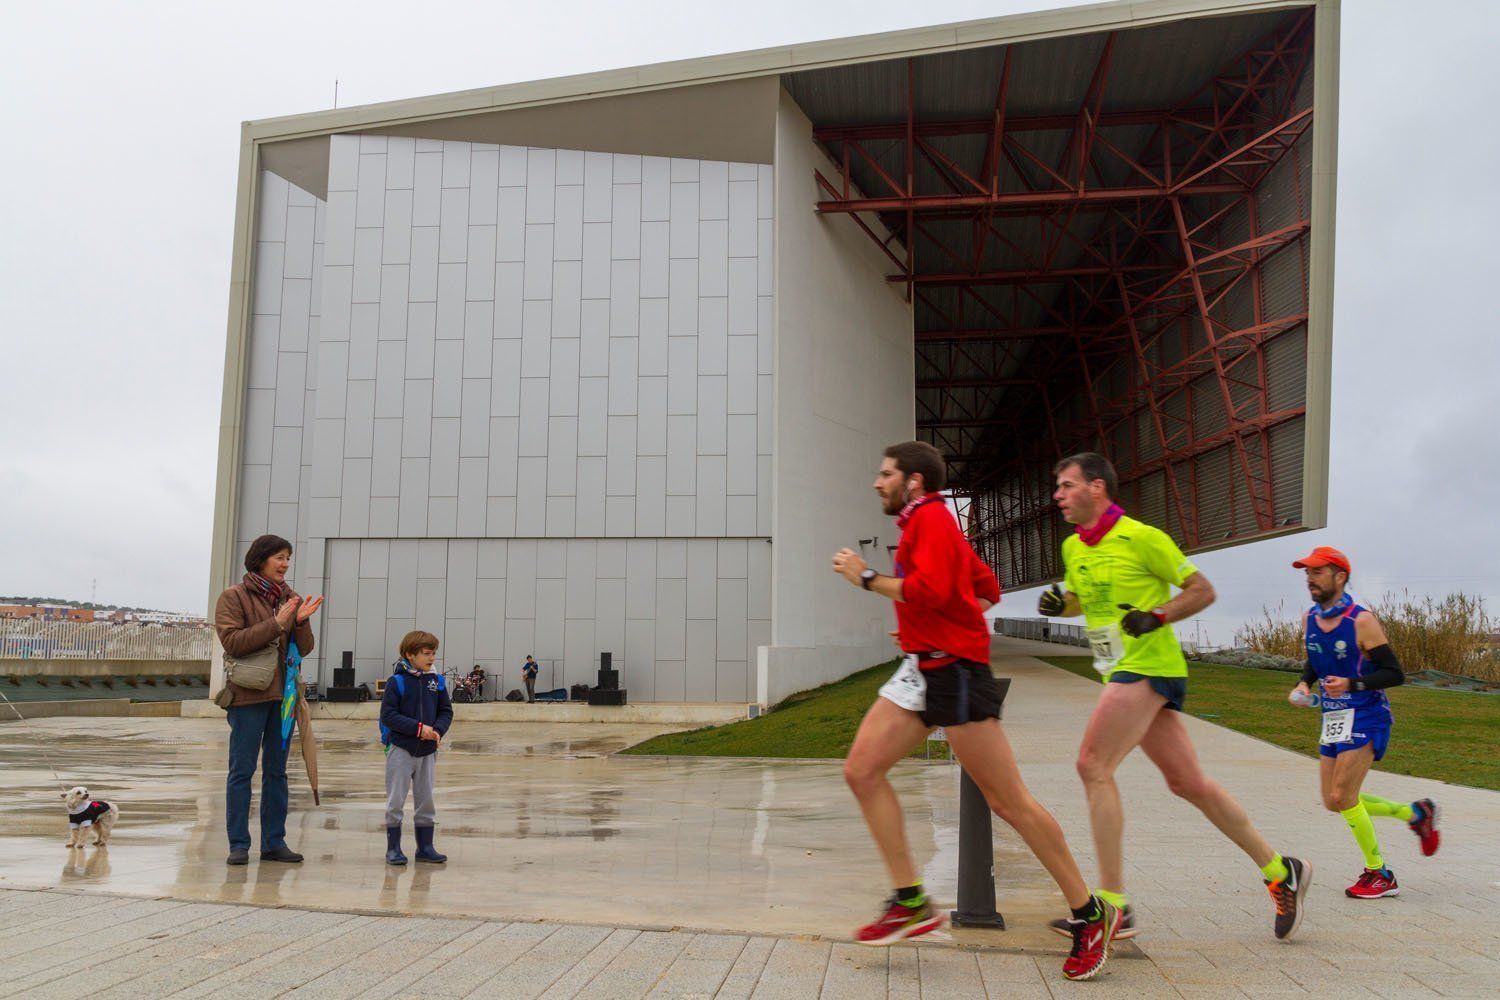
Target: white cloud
column 117, row 194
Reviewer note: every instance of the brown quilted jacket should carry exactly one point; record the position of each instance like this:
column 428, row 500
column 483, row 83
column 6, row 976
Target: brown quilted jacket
column 247, row 623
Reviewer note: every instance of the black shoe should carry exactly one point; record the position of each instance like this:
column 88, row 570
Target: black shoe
column 238, row 856
column 1287, row 895
column 283, row 854
column 1064, row 927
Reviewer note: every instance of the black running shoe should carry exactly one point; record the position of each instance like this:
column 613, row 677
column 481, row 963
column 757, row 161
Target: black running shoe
column 1288, row 894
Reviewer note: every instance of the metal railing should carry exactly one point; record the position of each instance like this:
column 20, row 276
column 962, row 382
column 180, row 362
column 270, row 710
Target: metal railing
column 38, row 640
column 1044, row 630
column 1041, row 630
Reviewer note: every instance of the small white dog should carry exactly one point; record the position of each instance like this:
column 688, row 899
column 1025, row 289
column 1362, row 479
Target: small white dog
column 85, row 813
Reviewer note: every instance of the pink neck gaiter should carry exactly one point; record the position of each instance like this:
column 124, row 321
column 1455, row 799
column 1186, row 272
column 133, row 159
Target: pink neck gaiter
column 1095, row 535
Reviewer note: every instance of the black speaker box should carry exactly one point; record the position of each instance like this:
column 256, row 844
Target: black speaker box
column 609, row 680
column 343, row 677
column 344, row 692
column 613, row 696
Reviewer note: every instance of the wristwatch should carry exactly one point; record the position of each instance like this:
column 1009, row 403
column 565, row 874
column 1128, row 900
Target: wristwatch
column 867, row 577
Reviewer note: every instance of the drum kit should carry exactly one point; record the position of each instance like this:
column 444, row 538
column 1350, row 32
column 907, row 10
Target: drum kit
column 469, row 687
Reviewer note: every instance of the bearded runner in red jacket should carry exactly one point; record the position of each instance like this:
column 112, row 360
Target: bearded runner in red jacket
column 941, row 590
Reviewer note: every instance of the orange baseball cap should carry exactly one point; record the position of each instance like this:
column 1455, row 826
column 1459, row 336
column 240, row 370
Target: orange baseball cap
column 1323, row 555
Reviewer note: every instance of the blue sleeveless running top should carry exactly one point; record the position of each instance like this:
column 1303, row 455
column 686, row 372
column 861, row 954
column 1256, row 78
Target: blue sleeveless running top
column 1337, row 654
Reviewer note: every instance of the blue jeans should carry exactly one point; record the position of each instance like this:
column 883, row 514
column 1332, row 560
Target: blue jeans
column 255, row 731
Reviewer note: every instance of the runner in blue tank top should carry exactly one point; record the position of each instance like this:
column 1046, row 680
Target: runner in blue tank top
column 1348, row 655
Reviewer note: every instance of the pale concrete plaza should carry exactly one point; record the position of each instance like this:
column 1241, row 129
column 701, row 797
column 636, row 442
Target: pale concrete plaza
column 576, row 873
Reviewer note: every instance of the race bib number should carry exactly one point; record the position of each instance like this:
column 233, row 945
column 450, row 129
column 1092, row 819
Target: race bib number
column 1108, row 646
column 907, row 687
column 1338, row 727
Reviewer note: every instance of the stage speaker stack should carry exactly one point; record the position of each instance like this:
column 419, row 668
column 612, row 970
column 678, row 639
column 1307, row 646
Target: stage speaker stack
column 609, row 691
column 344, row 688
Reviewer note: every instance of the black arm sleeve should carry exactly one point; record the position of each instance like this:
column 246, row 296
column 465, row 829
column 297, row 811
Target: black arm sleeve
column 1309, row 674
column 1387, row 672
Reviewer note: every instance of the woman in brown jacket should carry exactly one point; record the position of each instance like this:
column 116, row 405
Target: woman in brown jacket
column 251, row 615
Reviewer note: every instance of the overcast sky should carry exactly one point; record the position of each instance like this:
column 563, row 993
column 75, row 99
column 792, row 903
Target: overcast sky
column 121, row 124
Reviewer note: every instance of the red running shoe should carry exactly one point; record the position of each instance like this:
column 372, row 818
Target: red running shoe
column 1424, row 824
column 899, row 922
column 1374, row 883
column 1091, row 943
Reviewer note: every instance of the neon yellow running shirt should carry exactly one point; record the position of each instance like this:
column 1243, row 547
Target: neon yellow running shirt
column 1134, row 564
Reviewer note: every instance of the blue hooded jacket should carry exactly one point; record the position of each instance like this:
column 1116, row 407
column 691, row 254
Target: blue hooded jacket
column 419, row 698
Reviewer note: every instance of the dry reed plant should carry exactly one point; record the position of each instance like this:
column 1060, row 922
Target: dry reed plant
column 1451, row 633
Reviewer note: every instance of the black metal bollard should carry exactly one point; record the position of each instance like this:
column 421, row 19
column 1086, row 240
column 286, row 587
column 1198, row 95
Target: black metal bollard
column 976, row 851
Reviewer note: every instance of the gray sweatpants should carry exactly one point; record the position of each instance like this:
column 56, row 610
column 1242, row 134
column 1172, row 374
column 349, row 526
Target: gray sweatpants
column 405, row 773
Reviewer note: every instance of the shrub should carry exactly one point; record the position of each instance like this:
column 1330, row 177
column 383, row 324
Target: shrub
column 1274, row 634
column 1427, row 633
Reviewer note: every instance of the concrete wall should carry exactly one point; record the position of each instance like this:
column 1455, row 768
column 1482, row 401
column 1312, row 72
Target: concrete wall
column 844, row 391
column 682, row 616
column 101, row 707
column 471, row 341
column 67, row 667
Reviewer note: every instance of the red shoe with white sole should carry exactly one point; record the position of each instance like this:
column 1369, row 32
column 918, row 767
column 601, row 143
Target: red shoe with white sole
column 898, row 923
column 1374, row 883
column 1424, row 824
column 1091, row 943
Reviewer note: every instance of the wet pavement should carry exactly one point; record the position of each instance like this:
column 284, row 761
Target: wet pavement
column 577, row 873
column 539, row 822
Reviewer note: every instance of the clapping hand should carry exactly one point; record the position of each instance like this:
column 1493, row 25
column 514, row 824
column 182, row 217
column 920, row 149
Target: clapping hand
column 308, row 607
column 285, row 613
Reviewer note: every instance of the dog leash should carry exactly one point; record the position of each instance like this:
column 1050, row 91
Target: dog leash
column 60, row 783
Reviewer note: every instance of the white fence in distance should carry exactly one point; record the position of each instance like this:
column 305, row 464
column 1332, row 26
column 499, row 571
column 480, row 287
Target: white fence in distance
column 37, row 640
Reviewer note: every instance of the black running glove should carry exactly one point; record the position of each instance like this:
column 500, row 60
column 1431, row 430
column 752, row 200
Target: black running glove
column 1137, row 623
column 1051, row 603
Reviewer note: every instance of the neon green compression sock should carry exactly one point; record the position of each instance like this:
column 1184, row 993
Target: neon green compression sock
column 1376, row 806
column 912, row 897
column 1116, row 899
column 1276, row 870
column 1364, row 834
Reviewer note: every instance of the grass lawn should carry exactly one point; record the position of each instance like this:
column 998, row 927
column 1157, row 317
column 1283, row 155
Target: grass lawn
column 816, row 723
column 1448, row 735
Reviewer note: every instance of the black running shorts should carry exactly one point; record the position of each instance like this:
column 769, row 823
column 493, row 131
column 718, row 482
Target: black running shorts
column 960, row 692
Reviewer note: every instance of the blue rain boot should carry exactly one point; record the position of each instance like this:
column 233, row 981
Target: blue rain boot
column 425, row 851
column 393, row 855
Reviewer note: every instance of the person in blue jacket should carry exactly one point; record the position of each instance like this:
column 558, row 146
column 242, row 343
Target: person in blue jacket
column 415, row 714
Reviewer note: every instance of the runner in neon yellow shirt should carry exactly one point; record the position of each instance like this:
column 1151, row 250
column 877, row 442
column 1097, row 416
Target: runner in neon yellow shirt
column 1119, row 575
column 1135, row 565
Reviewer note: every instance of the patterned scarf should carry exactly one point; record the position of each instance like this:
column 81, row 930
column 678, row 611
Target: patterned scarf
column 1093, row 536
column 1340, row 606
column 911, row 508
column 272, row 592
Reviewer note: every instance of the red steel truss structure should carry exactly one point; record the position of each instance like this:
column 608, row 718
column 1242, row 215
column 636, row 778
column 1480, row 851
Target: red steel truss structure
column 1112, row 278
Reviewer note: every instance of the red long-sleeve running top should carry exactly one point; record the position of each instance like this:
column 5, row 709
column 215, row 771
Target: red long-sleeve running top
column 942, row 581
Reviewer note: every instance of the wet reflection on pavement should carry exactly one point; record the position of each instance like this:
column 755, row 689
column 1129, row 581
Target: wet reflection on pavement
column 538, row 821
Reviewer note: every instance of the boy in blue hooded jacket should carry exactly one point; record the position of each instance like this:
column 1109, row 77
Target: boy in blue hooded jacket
column 415, row 713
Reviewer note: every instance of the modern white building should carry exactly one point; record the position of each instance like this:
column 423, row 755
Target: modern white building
column 606, row 363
